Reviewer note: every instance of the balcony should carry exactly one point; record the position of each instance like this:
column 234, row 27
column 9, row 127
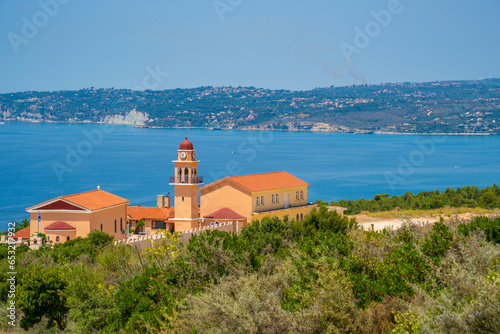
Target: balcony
column 186, row 180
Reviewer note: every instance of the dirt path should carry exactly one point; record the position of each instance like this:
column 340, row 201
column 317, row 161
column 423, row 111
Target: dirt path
column 380, row 223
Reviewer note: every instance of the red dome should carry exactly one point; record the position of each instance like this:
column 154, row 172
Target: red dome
column 186, row 145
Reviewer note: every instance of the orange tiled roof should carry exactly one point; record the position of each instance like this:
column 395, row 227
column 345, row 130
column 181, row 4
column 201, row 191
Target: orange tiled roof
column 91, row 200
column 145, row 212
column 263, row 181
column 24, row 233
column 224, row 213
column 95, row 199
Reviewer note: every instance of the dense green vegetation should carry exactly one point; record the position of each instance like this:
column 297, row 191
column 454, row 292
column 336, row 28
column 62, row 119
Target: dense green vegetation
column 435, row 107
column 320, row 275
column 472, row 197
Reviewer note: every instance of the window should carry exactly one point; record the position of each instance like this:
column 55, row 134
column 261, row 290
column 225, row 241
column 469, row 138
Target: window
column 101, row 226
column 301, row 216
column 67, row 239
column 121, row 224
column 159, row 224
column 261, row 200
column 115, row 225
column 57, row 239
column 277, row 198
column 272, row 198
column 258, row 201
column 298, row 217
column 183, row 199
column 48, row 238
column 297, row 195
column 302, row 194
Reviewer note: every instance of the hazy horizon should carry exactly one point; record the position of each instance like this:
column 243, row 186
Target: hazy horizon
column 233, row 86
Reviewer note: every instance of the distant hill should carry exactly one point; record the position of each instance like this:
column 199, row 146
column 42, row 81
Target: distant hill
column 434, row 107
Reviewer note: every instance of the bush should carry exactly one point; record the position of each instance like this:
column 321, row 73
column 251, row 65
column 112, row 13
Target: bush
column 73, row 249
column 439, row 241
column 322, row 220
column 491, row 228
column 270, row 233
column 41, row 294
column 143, row 303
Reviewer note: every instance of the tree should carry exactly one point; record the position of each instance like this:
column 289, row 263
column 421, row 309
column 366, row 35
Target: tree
column 489, row 200
column 41, row 294
column 439, row 241
column 140, row 224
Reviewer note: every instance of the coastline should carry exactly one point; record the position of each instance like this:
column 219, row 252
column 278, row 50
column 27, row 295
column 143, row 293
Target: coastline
column 352, row 131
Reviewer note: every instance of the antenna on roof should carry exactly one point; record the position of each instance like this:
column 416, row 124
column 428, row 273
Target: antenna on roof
column 98, row 187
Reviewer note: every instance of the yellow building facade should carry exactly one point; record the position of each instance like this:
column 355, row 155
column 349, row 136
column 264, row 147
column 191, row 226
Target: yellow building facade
column 276, row 194
column 68, row 217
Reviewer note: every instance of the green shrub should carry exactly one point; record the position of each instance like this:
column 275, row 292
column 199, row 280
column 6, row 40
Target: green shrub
column 491, row 228
column 439, row 241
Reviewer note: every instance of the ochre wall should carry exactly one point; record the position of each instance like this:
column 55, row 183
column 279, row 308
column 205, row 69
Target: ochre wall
column 63, row 236
column 291, row 212
column 223, row 195
column 78, row 220
column 269, row 205
column 107, row 218
column 189, row 207
column 84, row 222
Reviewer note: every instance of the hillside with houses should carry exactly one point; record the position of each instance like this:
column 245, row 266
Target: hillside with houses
column 464, row 107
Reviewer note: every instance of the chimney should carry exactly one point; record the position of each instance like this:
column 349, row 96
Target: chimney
column 167, row 201
column 160, row 201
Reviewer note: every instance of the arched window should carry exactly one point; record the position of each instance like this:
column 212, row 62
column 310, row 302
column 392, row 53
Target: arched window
column 298, row 216
column 101, row 226
column 57, row 239
column 115, row 225
column 179, row 174
column 277, row 198
column 67, row 239
column 272, row 198
column 302, row 194
column 297, row 195
column 262, row 200
column 257, row 201
column 186, row 174
column 301, row 216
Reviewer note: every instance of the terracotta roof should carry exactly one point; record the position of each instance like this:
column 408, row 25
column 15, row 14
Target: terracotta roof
column 264, row 181
column 90, row 200
column 224, row 213
column 95, row 199
column 186, row 145
column 59, row 226
column 145, row 212
column 24, row 233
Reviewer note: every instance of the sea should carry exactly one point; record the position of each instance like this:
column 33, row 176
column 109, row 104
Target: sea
column 40, row 161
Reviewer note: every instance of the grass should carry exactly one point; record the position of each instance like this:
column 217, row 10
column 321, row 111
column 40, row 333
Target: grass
column 446, row 212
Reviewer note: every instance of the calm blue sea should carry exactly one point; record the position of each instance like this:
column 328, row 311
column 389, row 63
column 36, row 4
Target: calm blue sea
column 39, row 161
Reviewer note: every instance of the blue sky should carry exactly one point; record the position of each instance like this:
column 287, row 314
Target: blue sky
column 271, row 44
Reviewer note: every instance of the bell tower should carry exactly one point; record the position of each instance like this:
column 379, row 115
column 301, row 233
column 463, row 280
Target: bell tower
column 185, row 182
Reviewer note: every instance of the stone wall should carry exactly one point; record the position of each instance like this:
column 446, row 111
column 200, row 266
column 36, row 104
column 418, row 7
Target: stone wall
column 144, row 241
